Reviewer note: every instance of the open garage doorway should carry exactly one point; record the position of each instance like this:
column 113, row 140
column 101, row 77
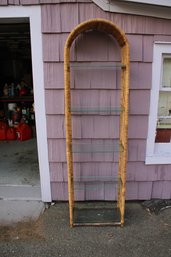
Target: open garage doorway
column 24, row 168
column 19, row 167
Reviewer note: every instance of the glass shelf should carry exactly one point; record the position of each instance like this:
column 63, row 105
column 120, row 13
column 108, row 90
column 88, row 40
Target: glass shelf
column 96, row 65
column 96, row 109
column 95, row 178
column 91, row 186
column 96, row 147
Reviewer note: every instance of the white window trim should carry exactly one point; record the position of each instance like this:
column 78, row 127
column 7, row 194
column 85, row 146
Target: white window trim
column 34, row 15
column 157, row 153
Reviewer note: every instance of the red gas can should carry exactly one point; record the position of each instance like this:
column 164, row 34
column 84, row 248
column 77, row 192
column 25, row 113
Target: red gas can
column 11, row 134
column 3, row 130
column 24, row 132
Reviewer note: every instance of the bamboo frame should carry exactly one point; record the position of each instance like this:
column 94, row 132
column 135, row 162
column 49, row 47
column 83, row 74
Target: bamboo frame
column 119, row 35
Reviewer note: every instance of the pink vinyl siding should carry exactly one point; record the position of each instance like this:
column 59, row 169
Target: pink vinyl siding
column 29, row 2
column 148, row 48
column 137, row 78
column 140, row 178
column 3, row 2
column 14, row 2
column 161, row 189
column 136, row 48
column 137, row 106
column 54, row 75
column 99, row 88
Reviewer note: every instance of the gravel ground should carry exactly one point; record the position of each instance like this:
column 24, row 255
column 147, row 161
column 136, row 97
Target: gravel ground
column 144, row 235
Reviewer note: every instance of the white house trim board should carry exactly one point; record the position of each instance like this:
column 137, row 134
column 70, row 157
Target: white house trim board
column 153, row 2
column 135, row 7
column 34, row 15
column 157, row 153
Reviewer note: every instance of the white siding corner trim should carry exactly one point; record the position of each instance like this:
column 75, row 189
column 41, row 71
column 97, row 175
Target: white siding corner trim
column 157, row 153
column 34, row 15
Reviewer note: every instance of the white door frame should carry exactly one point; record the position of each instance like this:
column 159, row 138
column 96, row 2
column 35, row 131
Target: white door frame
column 34, row 15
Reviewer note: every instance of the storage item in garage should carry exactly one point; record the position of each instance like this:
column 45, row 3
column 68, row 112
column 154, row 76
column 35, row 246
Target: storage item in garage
column 12, row 106
column 2, row 114
column 11, row 134
column 5, row 90
column 3, row 130
column 16, row 115
column 24, row 132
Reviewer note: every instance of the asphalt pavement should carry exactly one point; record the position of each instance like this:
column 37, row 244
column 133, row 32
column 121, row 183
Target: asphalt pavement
column 145, row 234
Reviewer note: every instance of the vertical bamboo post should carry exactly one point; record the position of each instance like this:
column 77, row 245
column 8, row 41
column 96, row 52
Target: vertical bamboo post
column 124, row 129
column 68, row 131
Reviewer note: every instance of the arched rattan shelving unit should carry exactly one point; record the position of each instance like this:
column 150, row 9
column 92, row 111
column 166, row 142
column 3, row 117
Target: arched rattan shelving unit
column 111, row 29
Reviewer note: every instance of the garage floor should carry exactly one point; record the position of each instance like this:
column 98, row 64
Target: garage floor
column 19, row 163
column 19, row 170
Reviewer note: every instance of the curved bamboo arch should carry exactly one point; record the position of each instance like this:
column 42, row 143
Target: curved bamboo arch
column 100, row 25
column 110, row 28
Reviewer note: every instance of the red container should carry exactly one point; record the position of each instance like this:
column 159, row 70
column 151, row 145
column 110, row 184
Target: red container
column 24, row 132
column 11, row 134
column 3, row 130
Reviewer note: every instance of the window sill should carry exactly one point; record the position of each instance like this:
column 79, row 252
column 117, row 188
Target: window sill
column 161, row 155
column 158, row 159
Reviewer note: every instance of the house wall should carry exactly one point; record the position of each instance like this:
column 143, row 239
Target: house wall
column 58, row 19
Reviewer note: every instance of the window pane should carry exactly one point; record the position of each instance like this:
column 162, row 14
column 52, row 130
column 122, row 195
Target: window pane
column 166, row 80
column 163, row 128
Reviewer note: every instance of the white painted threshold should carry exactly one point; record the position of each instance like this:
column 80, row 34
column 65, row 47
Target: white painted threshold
column 20, row 192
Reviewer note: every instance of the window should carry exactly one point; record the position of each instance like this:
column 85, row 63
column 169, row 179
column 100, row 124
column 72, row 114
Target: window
column 159, row 131
column 163, row 127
